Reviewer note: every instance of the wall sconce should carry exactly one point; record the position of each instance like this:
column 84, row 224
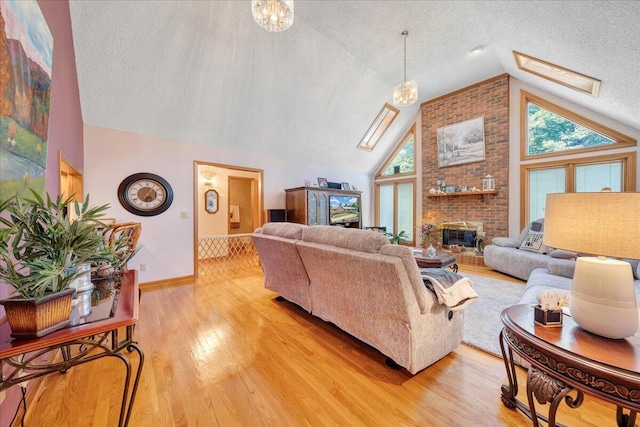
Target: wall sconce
column 207, row 178
column 488, row 183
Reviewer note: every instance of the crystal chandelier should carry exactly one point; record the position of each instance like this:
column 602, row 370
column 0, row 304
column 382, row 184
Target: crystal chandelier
column 273, row 15
column 405, row 92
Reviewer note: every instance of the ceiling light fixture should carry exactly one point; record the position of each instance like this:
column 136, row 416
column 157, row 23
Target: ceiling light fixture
column 405, row 92
column 273, row 15
column 476, row 50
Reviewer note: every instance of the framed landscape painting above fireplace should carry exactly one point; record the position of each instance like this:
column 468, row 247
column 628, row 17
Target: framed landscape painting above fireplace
column 461, row 143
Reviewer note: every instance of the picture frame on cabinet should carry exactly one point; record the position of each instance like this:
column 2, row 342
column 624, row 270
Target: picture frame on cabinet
column 345, row 186
column 322, row 182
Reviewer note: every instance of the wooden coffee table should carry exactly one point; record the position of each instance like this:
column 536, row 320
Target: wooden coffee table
column 441, row 260
column 567, row 362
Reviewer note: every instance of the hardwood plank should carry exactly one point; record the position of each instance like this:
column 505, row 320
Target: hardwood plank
column 223, row 352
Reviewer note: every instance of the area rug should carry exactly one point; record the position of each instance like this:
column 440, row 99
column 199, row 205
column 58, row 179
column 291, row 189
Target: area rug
column 482, row 324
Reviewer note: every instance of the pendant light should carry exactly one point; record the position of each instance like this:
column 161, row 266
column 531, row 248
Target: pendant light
column 273, row 15
column 405, row 92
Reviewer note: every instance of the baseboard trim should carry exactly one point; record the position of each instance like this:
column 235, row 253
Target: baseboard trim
column 182, row 280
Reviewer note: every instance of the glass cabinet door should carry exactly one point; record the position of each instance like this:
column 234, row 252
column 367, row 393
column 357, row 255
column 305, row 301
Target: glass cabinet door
column 324, row 209
column 312, row 207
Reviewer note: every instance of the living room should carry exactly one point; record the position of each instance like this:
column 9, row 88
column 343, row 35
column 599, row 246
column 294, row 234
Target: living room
column 112, row 144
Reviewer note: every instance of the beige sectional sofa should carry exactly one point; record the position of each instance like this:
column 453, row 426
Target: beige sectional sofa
column 367, row 287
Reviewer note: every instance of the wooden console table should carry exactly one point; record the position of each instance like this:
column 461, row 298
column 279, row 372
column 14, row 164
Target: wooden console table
column 566, row 362
column 95, row 337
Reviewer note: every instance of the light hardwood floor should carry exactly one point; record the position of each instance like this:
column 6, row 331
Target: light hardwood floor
column 224, row 352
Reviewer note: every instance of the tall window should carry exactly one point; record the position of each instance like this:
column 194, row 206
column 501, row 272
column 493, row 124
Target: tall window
column 590, row 174
column 404, row 160
column 548, row 130
column 396, row 188
column 551, row 130
column 396, row 207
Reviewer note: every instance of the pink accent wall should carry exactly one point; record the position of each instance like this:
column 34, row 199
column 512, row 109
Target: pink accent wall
column 65, row 131
column 65, row 118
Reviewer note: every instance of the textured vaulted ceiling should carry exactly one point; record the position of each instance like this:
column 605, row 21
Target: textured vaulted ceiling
column 205, row 72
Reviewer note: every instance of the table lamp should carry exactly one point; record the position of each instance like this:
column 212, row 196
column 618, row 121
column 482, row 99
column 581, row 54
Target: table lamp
column 603, row 299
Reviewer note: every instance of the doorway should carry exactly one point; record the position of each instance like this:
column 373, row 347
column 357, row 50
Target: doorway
column 70, row 184
column 222, row 235
column 242, row 200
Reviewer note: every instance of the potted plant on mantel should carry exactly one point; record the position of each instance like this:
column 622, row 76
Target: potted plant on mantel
column 40, row 251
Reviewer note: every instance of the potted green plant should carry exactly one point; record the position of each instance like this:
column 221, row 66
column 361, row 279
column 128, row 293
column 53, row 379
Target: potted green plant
column 41, row 248
column 399, row 237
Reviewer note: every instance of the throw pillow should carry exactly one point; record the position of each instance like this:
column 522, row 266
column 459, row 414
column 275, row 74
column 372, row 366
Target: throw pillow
column 562, row 254
column 537, row 224
column 533, row 242
column 505, row 242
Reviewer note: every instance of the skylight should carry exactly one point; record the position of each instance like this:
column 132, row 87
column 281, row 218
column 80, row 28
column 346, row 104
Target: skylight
column 378, row 127
column 557, row 74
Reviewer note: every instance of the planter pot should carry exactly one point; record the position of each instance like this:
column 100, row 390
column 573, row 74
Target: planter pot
column 35, row 317
column 82, row 283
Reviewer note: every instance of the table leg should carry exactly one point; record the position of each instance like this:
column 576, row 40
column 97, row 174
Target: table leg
column 625, row 420
column 549, row 390
column 127, row 401
column 509, row 391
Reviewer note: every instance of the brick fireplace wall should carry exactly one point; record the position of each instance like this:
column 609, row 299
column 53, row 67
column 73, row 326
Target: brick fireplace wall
column 488, row 99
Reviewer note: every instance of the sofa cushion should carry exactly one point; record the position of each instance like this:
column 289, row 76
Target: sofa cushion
column 539, row 281
column 288, row 230
column 561, row 267
column 505, row 242
column 413, row 272
column 354, row 239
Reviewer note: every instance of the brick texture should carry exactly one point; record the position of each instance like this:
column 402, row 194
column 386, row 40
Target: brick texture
column 488, row 99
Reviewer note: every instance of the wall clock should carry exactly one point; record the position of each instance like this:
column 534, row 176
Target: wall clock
column 145, row 194
column 211, row 201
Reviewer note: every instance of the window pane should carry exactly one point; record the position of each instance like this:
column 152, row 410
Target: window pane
column 386, row 207
column 404, row 160
column 541, row 183
column 596, row 177
column 549, row 133
column 405, row 209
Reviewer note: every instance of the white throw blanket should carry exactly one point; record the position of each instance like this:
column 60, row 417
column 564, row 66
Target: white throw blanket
column 452, row 290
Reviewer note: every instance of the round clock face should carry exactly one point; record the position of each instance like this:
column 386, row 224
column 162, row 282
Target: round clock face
column 145, row 194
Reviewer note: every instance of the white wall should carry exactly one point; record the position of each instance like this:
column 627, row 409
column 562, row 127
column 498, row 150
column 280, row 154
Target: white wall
column 167, row 239
column 515, row 86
